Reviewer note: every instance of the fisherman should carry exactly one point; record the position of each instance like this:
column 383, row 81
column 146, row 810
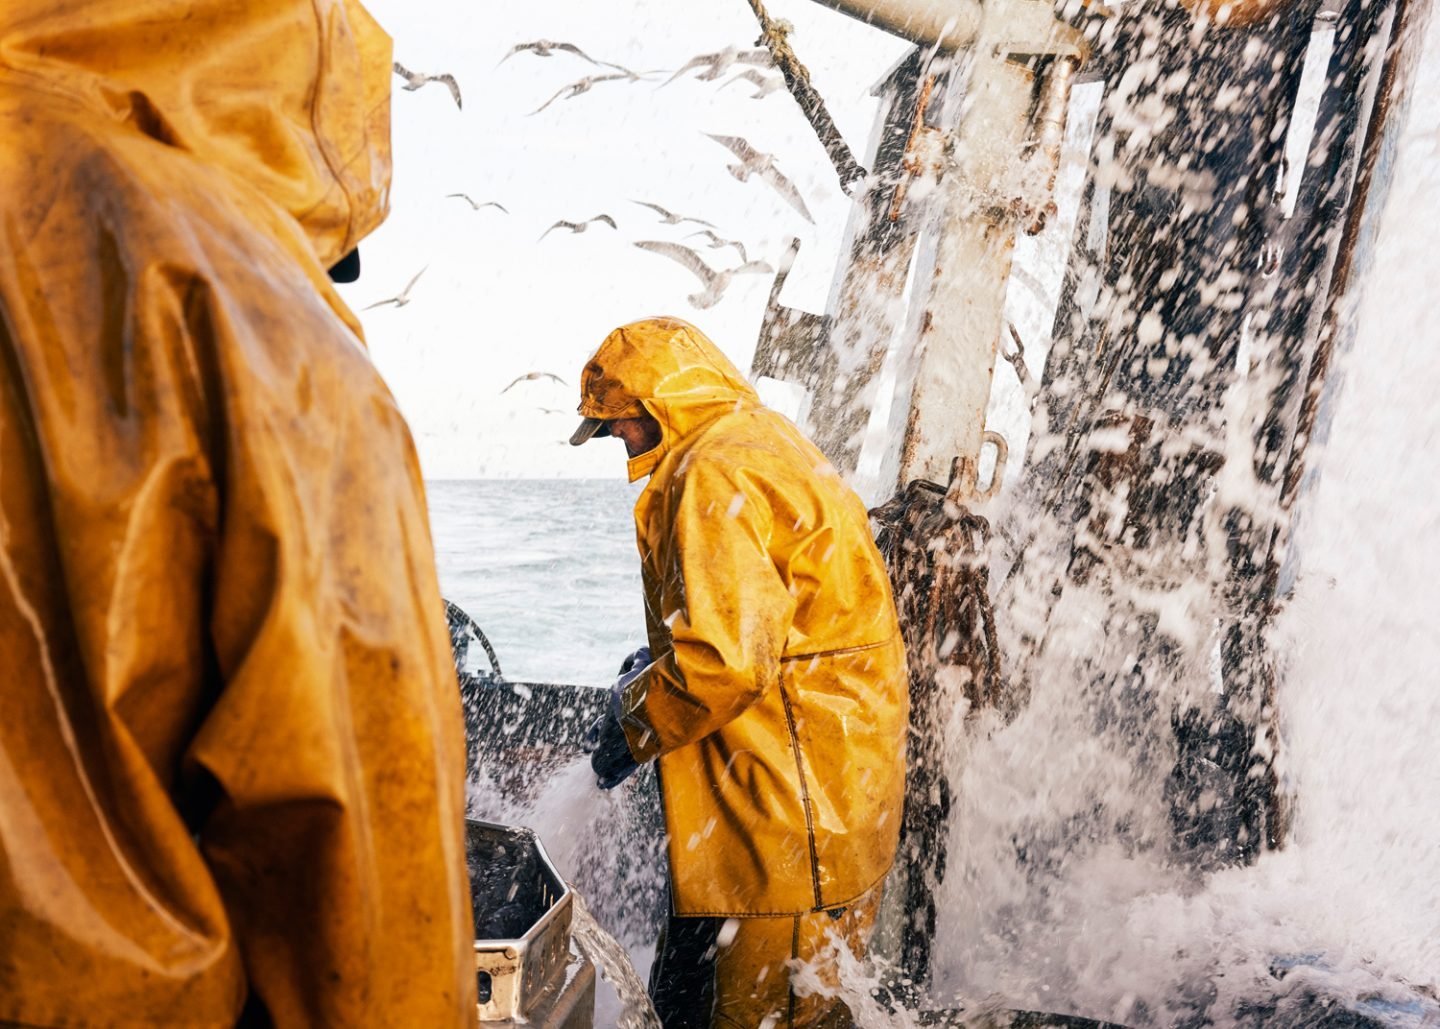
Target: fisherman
column 776, row 700
column 231, row 754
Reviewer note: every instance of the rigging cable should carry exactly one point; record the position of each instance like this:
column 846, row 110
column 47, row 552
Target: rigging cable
column 774, row 35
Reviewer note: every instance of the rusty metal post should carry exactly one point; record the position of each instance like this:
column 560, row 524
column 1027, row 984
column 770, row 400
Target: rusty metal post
column 965, row 297
column 865, row 310
column 935, row 550
column 1051, row 107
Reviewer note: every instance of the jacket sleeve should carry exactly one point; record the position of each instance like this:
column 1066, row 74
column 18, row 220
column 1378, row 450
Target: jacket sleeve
column 732, row 612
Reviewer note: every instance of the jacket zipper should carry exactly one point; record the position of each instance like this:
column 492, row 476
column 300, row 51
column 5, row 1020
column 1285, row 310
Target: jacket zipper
column 804, row 796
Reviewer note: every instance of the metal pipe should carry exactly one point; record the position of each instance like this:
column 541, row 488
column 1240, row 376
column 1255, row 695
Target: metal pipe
column 1051, row 107
column 949, row 24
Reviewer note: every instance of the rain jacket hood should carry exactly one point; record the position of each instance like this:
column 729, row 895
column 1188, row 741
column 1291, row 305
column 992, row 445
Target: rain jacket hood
column 672, row 370
column 778, row 698
column 289, row 96
column 231, row 751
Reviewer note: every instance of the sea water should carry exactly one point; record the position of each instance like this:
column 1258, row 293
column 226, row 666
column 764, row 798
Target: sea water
column 547, row 568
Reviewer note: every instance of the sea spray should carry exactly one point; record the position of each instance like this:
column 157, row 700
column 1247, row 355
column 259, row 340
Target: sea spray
column 1063, row 892
column 567, row 810
column 611, row 958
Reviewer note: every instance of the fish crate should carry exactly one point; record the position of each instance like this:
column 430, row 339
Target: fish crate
column 527, row 969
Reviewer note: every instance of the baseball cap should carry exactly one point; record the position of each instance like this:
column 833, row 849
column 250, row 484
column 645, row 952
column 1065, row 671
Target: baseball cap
column 589, row 428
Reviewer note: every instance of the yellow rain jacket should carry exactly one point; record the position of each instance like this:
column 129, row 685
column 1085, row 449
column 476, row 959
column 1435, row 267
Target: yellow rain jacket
column 231, row 755
column 777, row 702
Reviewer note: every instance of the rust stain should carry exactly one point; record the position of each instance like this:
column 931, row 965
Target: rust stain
column 911, row 162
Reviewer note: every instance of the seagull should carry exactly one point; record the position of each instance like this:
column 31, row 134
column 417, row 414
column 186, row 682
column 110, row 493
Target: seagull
column 403, row 297
column 753, row 162
column 578, row 227
column 473, row 205
column 551, row 410
column 584, row 85
column 547, row 48
column 716, row 243
column 531, row 377
column 718, row 64
column 766, row 84
column 714, row 282
column 415, row 79
column 670, row 217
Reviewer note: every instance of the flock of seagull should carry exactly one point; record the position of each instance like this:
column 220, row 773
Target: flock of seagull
column 752, row 66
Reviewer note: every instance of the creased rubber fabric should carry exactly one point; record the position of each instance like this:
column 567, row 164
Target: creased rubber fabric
column 231, row 754
column 778, row 700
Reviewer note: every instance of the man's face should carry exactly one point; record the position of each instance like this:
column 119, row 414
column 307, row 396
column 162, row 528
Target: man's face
column 641, row 435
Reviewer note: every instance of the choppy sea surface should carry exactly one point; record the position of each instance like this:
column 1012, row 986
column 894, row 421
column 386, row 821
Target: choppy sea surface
column 547, row 568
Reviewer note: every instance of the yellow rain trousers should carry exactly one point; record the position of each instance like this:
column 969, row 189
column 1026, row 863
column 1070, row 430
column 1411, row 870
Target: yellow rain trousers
column 735, row 973
column 778, row 699
column 231, row 756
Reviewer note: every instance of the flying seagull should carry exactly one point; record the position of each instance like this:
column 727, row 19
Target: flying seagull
column 531, row 377
column 578, row 227
column 715, row 283
column 670, row 217
column 584, row 86
column 718, row 64
column 415, row 79
column 753, row 162
column 473, row 205
column 403, row 297
column 765, row 84
column 547, row 48
column 716, row 243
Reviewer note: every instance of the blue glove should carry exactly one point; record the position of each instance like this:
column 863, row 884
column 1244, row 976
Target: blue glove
column 631, row 668
column 610, row 756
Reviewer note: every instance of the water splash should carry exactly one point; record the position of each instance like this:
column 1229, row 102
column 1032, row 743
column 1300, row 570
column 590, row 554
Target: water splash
column 1062, row 892
column 613, row 961
column 568, row 811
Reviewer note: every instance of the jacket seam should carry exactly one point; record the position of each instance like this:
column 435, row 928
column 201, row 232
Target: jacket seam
column 804, row 795
column 322, row 143
column 853, row 900
column 839, row 651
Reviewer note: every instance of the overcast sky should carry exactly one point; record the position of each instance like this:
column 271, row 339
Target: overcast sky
column 495, row 302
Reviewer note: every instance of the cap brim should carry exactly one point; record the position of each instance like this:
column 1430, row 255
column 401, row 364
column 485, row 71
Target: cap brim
column 589, row 428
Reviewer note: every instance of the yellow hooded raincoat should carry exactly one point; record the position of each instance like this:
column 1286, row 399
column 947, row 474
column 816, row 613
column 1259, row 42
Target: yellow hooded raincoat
column 231, row 759
column 777, row 702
